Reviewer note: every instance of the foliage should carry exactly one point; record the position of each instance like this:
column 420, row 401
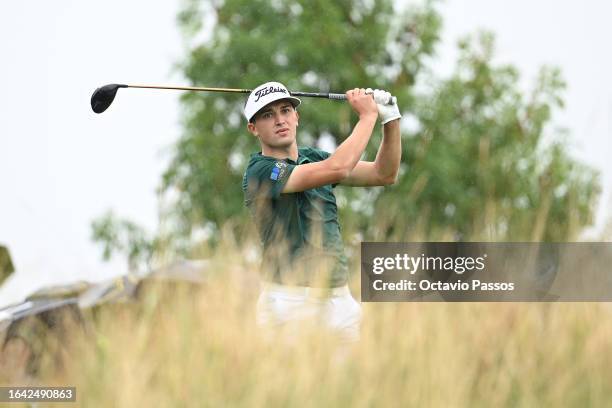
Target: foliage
column 307, row 45
column 480, row 161
column 479, row 165
column 201, row 348
column 123, row 236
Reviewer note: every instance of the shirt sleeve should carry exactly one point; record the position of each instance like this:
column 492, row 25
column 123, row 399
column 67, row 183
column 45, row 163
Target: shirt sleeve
column 266, row 179
column 322, row 155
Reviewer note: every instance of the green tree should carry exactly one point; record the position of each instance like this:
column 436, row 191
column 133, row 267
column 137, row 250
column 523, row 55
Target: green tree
column 122, row 236
column 308, row 45
column 479, row 167
column 475, row 164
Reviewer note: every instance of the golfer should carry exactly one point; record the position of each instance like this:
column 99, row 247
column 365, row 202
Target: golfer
column 289, row 192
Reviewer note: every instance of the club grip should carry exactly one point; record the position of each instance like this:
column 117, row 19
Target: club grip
column 337, row 96
column 391, row 101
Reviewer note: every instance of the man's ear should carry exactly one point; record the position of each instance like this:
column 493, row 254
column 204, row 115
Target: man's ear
column 252, row 129
column 297, row 115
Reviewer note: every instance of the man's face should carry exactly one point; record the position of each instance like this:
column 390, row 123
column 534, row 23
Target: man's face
column 275, row 124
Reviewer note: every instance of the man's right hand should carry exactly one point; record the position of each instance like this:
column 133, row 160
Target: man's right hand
column 339, row 165
column 362, row 103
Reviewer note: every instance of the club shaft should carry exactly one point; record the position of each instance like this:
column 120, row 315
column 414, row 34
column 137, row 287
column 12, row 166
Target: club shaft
column 188, row 88
column 326, row 95
column 195, row 88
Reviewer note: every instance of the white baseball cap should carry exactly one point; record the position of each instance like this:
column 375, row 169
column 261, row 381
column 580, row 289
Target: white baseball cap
column 265, row 94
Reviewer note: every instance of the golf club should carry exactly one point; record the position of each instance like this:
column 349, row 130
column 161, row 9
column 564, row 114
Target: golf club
column 104, row 96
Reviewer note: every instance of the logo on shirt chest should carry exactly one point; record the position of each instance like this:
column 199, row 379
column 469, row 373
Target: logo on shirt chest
column 278, row 171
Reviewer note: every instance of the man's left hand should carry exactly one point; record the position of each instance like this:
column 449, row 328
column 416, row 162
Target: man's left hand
column 386, row 112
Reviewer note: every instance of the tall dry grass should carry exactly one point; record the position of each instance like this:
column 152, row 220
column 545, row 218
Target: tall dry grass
column 201, row 348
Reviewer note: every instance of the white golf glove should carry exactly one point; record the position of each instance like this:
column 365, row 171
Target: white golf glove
column 386, row 112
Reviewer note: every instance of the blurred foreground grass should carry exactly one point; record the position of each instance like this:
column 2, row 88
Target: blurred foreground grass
column 193, row 347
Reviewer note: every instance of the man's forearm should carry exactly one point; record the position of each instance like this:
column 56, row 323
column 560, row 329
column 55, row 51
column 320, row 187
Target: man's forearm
column 348, row 154
column 390, row 151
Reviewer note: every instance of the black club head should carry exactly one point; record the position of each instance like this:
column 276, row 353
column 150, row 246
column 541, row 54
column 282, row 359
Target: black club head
column 104, row 96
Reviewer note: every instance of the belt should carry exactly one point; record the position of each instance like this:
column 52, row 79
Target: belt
column 306, row 290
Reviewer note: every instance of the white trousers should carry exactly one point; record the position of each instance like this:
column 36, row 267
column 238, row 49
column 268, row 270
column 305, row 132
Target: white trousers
column 335, row 308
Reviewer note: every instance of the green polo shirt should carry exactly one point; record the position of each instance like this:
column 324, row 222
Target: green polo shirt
column 299, row 231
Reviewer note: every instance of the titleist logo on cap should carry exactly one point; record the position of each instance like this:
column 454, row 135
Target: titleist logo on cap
column 268, row 90
column 265, row 94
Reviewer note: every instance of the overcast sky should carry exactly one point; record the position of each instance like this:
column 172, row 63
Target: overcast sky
column 62, row 165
